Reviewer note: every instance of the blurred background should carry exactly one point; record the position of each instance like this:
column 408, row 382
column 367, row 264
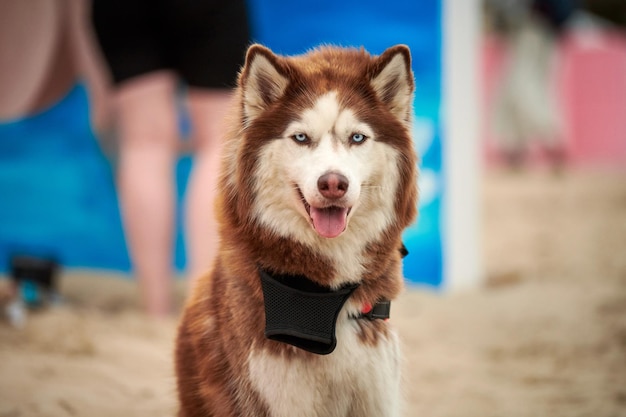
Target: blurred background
column 516, row 301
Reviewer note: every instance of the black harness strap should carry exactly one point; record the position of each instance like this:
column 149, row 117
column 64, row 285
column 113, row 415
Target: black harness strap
column 303, row 313
column 380, row 311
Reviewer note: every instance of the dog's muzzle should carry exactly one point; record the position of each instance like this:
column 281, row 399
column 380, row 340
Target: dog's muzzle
column 302, row 313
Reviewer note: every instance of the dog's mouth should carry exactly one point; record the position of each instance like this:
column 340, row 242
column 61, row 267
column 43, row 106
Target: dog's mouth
column 328, row 221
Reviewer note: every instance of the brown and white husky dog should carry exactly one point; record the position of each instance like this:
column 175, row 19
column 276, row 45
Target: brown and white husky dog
column 318, row 180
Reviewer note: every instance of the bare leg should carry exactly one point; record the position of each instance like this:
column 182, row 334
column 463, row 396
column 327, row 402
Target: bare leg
column 207, row 109
column 148, row 132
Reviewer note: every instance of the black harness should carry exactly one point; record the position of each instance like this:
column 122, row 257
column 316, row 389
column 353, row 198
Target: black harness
column 304, row 314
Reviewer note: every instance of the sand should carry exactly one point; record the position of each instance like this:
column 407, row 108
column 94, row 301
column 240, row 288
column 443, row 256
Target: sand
column 544, row 336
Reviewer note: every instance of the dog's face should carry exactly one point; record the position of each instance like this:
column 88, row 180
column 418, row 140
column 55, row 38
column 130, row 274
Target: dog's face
column 327, row 142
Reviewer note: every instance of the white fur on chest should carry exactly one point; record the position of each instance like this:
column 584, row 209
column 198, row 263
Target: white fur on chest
column 356, row 380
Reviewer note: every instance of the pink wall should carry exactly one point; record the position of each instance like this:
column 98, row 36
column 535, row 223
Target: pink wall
column 592, row 86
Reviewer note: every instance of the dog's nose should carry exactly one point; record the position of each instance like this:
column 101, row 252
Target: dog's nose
column 332, row 185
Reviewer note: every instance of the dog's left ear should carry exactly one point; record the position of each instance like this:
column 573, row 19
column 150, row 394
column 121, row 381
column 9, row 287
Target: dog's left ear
column 392, row 80
column 264, row 79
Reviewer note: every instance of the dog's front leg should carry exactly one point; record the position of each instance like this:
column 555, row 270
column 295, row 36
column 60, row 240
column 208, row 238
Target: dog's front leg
column 381, row 393
column 385, row 403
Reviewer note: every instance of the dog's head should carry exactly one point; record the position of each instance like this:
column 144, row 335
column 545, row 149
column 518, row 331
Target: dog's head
column 324, row 149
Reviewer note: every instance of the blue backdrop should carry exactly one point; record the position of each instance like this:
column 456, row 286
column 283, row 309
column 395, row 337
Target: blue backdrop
column 57, row 193
column 57, row 196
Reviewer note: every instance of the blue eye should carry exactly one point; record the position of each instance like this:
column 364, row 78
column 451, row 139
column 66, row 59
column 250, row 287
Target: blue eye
column 300, row 138
column 358, row 138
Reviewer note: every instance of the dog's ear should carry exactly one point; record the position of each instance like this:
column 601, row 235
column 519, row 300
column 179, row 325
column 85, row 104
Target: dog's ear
column 263, row 80
column 392, row 80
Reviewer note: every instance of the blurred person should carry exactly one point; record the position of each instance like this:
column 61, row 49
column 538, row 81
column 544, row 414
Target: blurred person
column 150, row 46
column 46, row 47
column 526, row 107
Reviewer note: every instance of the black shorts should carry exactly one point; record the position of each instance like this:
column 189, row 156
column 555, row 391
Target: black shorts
column 204, row 41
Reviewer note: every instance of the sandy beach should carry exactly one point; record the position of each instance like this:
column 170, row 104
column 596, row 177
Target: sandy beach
column 544, row 336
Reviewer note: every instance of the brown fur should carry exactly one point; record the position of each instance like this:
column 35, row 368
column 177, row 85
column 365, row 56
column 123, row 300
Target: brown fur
column 224, row 316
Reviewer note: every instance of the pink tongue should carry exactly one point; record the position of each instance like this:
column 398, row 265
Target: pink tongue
column 329, row 221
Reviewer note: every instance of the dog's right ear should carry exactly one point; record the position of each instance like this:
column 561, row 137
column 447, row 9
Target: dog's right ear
column 263, row 80
column 392, row 79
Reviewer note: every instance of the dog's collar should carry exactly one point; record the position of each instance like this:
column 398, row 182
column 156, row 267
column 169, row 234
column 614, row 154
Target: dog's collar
column 301, row 312
column 304, row 314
